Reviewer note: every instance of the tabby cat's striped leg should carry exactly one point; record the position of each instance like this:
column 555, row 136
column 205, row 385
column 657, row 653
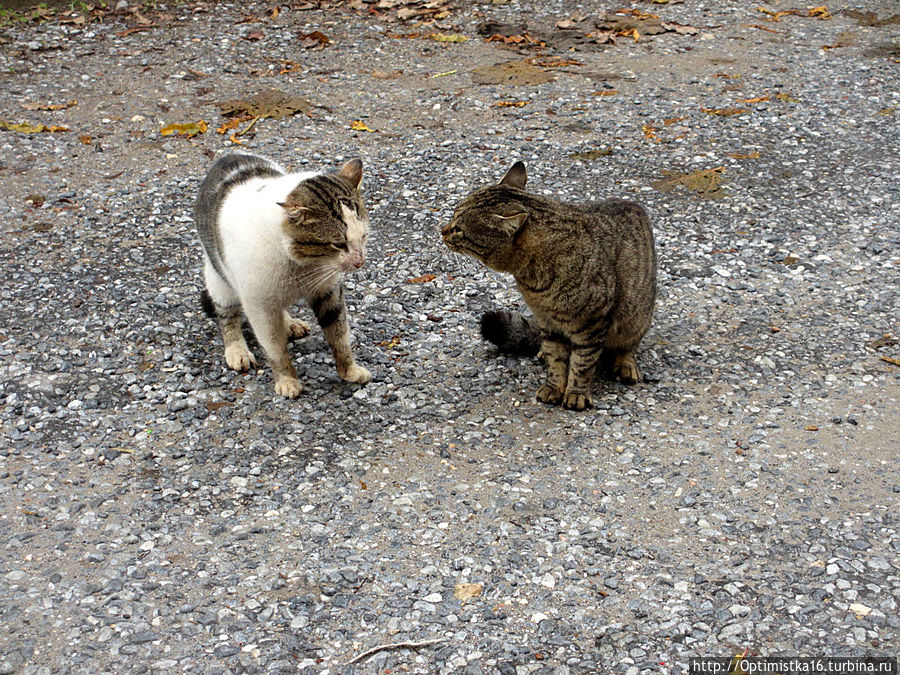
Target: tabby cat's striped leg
column 556, row 355
column 331, row 314
column 581, row 371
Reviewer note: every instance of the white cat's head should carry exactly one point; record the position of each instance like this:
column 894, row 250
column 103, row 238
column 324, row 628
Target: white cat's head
column 326, row 219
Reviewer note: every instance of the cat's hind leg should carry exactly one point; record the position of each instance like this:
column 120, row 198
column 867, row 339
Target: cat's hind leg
column 624, row 367
column 227, row 305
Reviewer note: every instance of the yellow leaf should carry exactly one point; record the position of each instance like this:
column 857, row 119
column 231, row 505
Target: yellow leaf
column 451, row 37
column 357, row 125
column 511, row 104
column 464, row 591
column 27, row 128
column 189, row 130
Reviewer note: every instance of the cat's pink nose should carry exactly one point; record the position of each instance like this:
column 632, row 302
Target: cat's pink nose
column 357, row 259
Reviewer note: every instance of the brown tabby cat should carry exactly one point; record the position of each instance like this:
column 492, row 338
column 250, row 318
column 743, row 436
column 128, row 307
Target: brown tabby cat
column 588, row 272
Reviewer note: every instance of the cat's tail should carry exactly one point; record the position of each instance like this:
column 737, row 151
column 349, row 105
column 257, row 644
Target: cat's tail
column 206, row 302
column 513, row 333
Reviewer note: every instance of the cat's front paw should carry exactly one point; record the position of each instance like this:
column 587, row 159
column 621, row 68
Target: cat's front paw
column 297, row 329
column 577, row 401
column 357, row 374
column 289, row 387
column 548, row 394
column 239, row 358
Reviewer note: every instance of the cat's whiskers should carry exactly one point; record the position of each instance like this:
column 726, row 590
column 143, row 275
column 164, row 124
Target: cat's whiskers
column 327, row 276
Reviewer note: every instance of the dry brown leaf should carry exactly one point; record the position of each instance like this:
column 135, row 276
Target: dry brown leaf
column 725, row 112
column 512, row 72
column 706, row 183
column 272, row 104
column 32, row 105
column 382, row 75
column 749, row 155
column 605, row 92
column 314, row 40
column 755, row 99
column 467, row 591
column 422, row 279
column 891, row 360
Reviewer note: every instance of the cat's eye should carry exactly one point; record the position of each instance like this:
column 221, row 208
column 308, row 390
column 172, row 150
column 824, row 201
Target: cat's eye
column 341, row 246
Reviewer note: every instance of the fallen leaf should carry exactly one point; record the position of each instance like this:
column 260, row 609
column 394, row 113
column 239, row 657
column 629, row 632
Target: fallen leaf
column 553, row 62
column 669, row 121
column 31, row 105
column 725, row 112
column 358, row 125
column 467, row 591
column 513, row 73
column 28, row 128
column 390, row 344
column 755, row 99
column 511, row 104
column 452, row 37
column 749, row 155
column 212, row 406
column 272, row 104
column 786, row 98
column 382, row 75
column 650, row 132
column 422, row 279
column 314, row 40
column 85, row 139
column 605, row 92
column 254, row 36
column 188, row 130
column 228, row 125
column 591, row 154
column 706, row 183
column 891, row 360
column 886, row 340
column 811, row 427
column 35, row 200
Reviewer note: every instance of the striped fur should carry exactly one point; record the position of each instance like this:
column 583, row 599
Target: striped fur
column 587, row 272
column 270, row 238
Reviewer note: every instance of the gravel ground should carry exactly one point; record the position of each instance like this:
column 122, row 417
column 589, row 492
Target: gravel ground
column 161, row 513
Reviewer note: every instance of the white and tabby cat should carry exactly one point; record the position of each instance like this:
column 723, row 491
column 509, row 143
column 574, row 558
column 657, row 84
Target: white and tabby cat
column 271, row 237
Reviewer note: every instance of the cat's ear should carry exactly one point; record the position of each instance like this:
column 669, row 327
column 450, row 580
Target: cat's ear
column 352, row 172
column 511, row 223
column 516, row 176
column 295, row 212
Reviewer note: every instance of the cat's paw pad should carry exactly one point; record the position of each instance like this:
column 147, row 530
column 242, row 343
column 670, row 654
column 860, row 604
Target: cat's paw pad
column 239, row 358
column 297, row 329
column 289, row 387
column 357, row 374
column 577, row 401
column 548, row 394
column 626, row 370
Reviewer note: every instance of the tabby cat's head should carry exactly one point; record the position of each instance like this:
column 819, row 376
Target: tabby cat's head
column 485, row 224
column 326, row 219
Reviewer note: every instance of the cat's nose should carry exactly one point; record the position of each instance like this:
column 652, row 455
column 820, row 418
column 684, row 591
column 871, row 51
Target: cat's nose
column 357, row 259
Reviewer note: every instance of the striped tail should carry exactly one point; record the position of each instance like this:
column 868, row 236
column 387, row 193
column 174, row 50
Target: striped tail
column 513, row 333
